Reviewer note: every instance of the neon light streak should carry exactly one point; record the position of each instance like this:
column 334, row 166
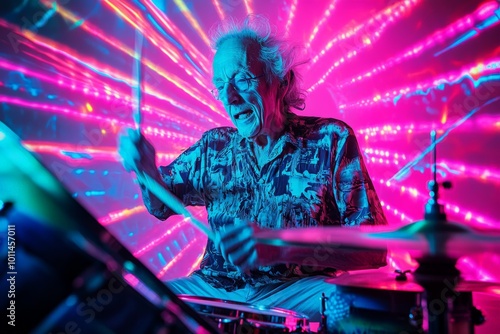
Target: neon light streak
column 57, row 50
column 451, row 208
column 116, row 216
column 471, row 71
column 384, row 18
column 248, row 6
column 482, row 14
column 167, row 24
column 156, row 40
column 291, row 16
column 177, row 258
column 89, row 117
column 220, row 12
column 195, row 266
column 160, row 240
column 322, row 21
column 403, row 217
column 119, row 97
column 189, row 16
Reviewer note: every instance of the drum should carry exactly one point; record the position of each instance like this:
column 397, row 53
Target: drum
column 234, row 317
column 382, row 303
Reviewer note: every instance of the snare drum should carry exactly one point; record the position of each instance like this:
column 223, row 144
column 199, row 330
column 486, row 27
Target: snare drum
column 234, row 317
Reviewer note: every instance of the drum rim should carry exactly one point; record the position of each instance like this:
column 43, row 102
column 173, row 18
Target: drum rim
column 275, row 315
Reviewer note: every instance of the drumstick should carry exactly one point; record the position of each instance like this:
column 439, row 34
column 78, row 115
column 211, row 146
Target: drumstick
column 138, row 74
column 162, row 193
column 170, row 200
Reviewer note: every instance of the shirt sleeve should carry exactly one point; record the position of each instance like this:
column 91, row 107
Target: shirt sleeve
column 182, row 177
column 354, row 192
column 357, row 201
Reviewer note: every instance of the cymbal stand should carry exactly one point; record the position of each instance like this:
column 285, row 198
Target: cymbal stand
column 437, row 272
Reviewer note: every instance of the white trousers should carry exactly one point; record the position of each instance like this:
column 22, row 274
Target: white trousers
column 301, row 296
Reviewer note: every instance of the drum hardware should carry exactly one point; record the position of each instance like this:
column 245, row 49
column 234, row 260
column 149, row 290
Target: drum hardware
column 376, row 297
column 236, row 317
column 416, row 317
column 322, row 325
column 402, row 275
column 437, row 272
column 443, row 308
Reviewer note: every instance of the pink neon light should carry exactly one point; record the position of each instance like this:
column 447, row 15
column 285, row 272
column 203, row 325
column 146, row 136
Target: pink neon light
column 220, row 12
column 291, row 16
column 194, row 23
column 484, row 12
column 154, row 38
column 82, row 87
column 383, row 17
column 177, row 258
column 467, row 215
column 168, row 25
column 403, row 217
column 90, row 117
column 492, row 66
column 157, row 241
column 322, row 21
column 114, row 217
column 248, row 6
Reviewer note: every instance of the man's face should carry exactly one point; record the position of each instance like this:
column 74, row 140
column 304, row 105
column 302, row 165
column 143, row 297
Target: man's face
column 252, row 110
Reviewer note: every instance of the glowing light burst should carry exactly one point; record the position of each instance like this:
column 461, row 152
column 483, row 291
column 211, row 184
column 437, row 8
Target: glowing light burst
column 183, row 41
column 160, row 240
column 455, row 169
column 189, row 16
column 218, row 7
column 457, row 210
column 248, row 6
column 324, row 19
column 381, row 20
column 114, row 217
column 103, row 121
column 383, row 132
column 157, row 40
column 490, row 71
column 177, row 258
column 485, row 13
column 69, row 69
column 291, row 16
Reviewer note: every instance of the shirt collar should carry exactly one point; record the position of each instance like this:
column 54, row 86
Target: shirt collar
column 289, row 136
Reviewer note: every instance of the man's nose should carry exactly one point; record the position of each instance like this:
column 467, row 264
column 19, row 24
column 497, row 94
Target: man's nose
column 231, row 95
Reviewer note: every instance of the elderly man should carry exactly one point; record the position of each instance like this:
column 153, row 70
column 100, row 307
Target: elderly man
column 274, row 170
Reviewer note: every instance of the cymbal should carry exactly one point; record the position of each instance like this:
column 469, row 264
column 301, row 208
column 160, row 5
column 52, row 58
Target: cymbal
column 419, row 238
column 378, row 280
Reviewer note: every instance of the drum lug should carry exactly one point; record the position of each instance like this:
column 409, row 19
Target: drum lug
column 401, row 277
column 416, row 317
column 477, row 316
column 322, row 324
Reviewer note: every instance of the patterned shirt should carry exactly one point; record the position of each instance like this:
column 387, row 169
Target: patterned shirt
column 315, row 176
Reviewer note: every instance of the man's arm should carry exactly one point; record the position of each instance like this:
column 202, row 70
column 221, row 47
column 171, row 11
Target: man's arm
column 182, row 177
column 316, row 255
column 358, row 204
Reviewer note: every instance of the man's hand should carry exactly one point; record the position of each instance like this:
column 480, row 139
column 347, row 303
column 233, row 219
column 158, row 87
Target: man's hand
column 137, row 153
column 237, row 245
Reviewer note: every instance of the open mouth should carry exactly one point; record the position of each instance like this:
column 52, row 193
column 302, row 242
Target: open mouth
column 243, row 114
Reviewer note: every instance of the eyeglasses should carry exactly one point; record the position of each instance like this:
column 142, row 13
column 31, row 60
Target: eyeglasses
column 240, row 83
